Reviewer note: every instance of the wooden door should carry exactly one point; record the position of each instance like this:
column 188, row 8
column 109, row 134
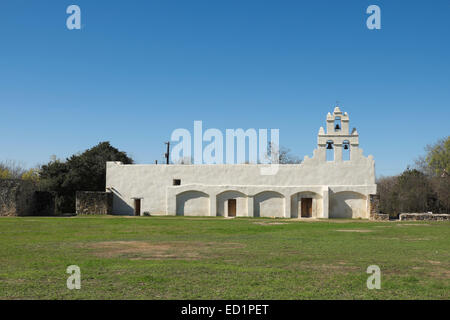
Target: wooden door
column 232, row 207
column 137, row 207
column 306, row 208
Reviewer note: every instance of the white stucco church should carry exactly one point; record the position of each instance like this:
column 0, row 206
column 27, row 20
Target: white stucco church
column 323, row 186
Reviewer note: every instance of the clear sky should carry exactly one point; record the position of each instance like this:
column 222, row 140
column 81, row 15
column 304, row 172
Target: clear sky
column 137, row 70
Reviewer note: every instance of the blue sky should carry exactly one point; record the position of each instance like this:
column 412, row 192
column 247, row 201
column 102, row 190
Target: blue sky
column 137, row 70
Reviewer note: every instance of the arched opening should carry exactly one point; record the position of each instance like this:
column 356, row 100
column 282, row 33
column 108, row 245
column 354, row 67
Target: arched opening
column 337, row 124
column 269, row 204
column 348, row 204
column 346, row 150
column 306, row 204
column 330, row 150
column 192, row 203
column 231, row 204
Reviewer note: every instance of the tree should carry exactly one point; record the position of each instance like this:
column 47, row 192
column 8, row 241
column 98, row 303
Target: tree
column 414, row 191
column 411, row 191
column 438, row 162
column 31, row 175
column 52, row 178
column 284, row 154
column 438, row 157
column 5, row 174
column 11, row 169
column 85, row 171
column 436, row 165
column 387, row 188
column 425, row 188
column 441, row 185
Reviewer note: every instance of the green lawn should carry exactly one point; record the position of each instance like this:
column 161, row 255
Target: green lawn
column 217, row 258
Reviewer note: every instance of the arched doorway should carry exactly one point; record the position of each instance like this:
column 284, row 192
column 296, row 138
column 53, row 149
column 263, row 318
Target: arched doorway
column 306, row 204
column 348, row 204
column 192, row 203
column 231, row 204
column 269, row 204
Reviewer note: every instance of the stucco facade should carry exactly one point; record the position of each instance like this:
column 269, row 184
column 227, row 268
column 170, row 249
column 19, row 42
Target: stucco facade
column 317, row 188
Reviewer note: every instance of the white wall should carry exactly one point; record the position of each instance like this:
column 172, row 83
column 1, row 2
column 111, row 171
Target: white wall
column 241, row 203
column 316, row 204
column 257, row 194
column 154, row 184
column 269, row 204
column 192, row 203
column 348, row 204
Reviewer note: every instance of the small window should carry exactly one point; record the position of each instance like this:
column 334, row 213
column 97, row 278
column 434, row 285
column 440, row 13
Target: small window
column 176, row 182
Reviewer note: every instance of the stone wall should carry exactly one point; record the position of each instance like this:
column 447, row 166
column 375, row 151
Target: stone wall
column 374, row 204
column 374, row 208
column 424, row 217
column 380, row 217
column 20, row 198
column 93, row 202
column 16, row 197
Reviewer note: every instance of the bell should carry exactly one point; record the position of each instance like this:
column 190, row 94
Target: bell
column 346, row 146
column 329, row 146
column 337, row 127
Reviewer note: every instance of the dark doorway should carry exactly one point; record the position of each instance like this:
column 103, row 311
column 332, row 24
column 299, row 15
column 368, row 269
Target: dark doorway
column 306, row 208
column 137, row 207
column 232, row 207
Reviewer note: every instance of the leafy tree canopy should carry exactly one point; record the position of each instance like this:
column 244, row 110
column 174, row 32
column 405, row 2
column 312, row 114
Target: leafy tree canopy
column 424, row 189
column 31, row 175
column 11, row 169
column 5, row 174
column 85, row 171
column 438, row 156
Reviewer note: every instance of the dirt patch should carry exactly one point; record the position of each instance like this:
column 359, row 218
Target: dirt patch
column 434, row 262
column 341, row 220
column 413, row 224
column 356, row 230
column 143, row 250
column 331, row 220
column 440, row 273
column 327, row 268
column 269, row 223
column 338, row 267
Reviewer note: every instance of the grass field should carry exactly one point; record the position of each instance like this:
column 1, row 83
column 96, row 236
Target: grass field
column 217, row 258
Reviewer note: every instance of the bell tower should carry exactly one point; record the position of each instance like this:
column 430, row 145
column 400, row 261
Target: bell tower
column 337, row 137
